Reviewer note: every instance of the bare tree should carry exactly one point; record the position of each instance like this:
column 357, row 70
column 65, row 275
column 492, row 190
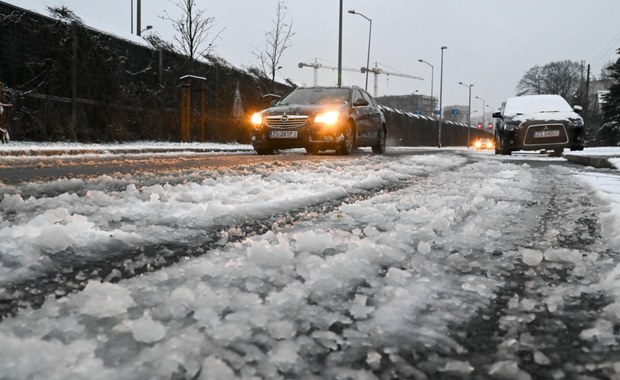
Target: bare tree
column 277, row 41
column 532, row 82
column 563, row 78
column 195, row 35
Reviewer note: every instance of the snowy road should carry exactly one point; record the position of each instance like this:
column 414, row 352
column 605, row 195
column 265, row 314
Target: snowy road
column 449, row 265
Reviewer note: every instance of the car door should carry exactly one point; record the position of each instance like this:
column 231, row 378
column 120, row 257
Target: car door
column 361, row 115
column 374, row 117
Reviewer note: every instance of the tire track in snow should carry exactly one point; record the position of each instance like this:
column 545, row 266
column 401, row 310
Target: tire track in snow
column 72, row 273
column 534, row 325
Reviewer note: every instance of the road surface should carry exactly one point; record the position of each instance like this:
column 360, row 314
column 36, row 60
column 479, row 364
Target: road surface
column 447, row 265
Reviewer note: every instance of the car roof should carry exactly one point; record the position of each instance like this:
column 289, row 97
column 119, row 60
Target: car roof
column 536, row 103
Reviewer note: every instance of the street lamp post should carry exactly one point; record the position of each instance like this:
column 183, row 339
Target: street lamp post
column 148, row 27
column 469, row 86
column 440, row 96
column 340, row 46
column 353, row 12
column 432, row 75
column 484, row 104
column 138, row 16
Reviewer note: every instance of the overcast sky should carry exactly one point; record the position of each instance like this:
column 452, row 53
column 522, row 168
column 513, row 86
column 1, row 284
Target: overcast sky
column 490, row 43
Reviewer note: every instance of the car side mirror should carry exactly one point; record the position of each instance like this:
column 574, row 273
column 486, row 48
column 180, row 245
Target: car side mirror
column 577, row 109
column 361, row 102
column 497, row 115
column 274, row 102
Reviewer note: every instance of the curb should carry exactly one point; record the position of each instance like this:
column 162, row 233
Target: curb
column 80, row 151
column 600, row 162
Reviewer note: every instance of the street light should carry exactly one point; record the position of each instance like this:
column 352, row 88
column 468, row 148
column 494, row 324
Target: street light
column 484, row 104
column 148, row 27
column 353, row 12
column 340, row 45
column 432, row 70
column 440, row 96
column 469, row 86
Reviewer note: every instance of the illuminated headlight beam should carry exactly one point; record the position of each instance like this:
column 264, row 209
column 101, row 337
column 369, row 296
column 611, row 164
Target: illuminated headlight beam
column 327, row 118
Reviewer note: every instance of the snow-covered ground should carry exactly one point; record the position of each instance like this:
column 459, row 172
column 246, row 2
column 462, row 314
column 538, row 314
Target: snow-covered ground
column 353, row 285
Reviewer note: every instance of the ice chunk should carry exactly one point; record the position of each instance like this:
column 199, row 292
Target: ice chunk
column 424, row 247
column 531, row 257
column 104, row 299
column 214, row 368
column 284, row 354
column 457, row 367
column 508, row 369
column 327, row 339
column 147, row 330
column 541, row 358
column 373, row 359
column 281, row 329
column 603, row 331
column 553, row 302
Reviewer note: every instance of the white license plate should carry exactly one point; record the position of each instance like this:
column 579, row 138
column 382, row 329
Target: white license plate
column 283, row 134
column 543, row 134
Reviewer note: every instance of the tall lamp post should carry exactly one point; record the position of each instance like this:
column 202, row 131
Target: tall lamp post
column 469, row 86
column 432, row 70
column 340, row 46
column 440, row 96
column 353, row 12
column 484, row 105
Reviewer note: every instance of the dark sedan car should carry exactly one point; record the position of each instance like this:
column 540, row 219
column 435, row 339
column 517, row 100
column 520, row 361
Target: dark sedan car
column 538, row 122
column 320, row 118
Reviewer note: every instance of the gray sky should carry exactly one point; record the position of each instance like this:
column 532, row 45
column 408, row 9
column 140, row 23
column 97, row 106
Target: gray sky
column 491, row 43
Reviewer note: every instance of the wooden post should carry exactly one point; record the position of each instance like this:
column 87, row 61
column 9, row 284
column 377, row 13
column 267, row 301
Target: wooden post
column 186, row 108
column 203, row 110
column 1, row 102
column 74, row 79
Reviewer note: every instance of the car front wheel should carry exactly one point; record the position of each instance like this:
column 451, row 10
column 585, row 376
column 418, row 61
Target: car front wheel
column 264, row 151
column 312, row 149
column 379, row 148
column 348, row 141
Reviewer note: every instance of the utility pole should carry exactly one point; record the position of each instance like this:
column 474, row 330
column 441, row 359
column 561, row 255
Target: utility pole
column 440, row 97
column 587, row 105
column 139, row 17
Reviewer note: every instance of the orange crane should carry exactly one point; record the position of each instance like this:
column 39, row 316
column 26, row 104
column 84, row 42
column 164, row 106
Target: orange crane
column 376, row 70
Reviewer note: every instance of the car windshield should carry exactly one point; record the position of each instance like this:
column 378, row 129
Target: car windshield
column 523, row 105
column 316, row 96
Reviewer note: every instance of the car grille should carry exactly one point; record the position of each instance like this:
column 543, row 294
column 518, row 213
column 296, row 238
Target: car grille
column 544, row 134
column 286, row 121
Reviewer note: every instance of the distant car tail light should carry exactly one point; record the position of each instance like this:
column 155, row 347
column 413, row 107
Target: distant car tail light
column 327, row 118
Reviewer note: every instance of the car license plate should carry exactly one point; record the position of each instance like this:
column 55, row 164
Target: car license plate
column 543, row 134
column 283, row 134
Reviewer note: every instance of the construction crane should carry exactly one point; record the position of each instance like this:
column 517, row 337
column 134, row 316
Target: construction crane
column 316, row 65
column 376, row 70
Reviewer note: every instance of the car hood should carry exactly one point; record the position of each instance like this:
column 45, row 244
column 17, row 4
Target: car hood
column 545, row 116
column 300, row 109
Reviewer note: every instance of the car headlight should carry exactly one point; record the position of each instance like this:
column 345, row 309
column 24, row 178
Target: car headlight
column 477, row 144
column 577, row 122
column 257, row 119
column 327, row 118
column 511, row 126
